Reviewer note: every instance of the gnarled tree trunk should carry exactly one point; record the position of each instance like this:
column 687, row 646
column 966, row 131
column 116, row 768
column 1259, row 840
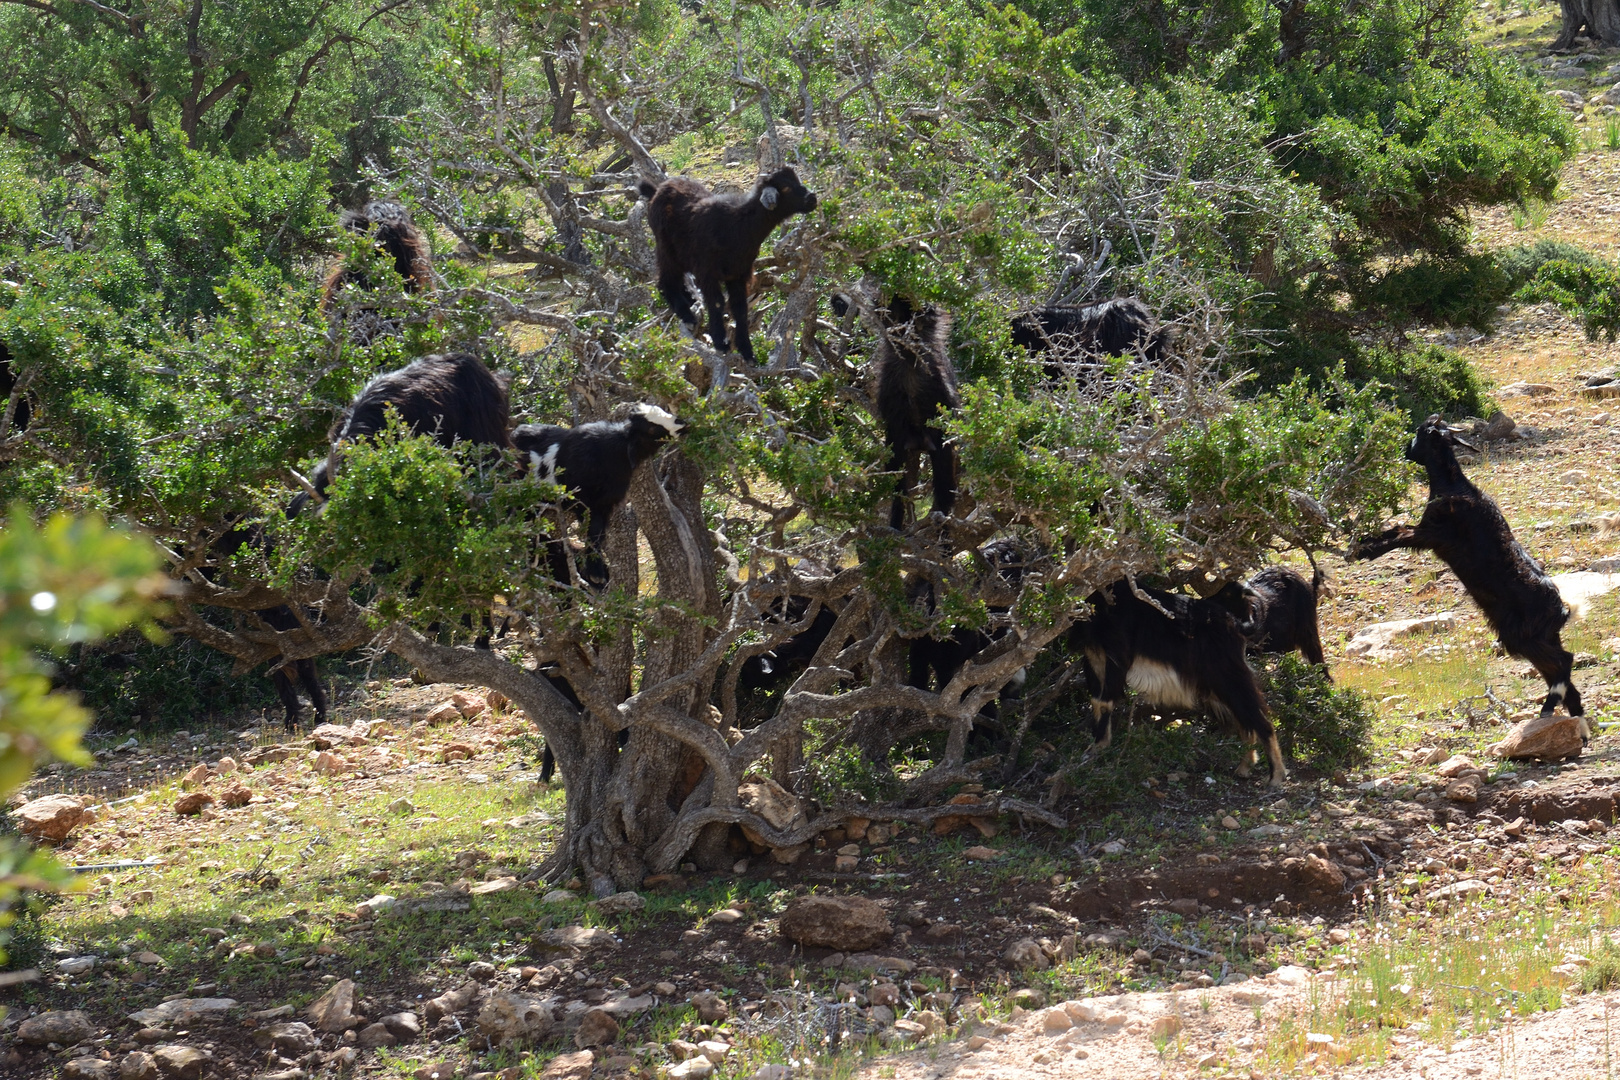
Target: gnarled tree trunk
column 1598, row 19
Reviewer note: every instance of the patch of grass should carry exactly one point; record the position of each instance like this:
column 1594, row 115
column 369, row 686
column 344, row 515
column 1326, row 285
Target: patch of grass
column 1531, row 214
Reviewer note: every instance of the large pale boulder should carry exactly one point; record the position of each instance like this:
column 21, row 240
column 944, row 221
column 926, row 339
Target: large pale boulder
column 845, row 923
column 1549, row 737
column 52, row 817
column 62, row 1026
column 1377, row 641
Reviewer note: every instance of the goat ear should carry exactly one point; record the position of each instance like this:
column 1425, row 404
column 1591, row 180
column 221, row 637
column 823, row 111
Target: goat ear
column 767, row 197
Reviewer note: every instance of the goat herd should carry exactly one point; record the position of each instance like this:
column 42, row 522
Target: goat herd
column 1175, row 650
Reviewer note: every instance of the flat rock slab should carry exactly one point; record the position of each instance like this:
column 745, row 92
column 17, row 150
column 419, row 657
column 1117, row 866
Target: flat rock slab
column 181, row 1009
column 1377, row 641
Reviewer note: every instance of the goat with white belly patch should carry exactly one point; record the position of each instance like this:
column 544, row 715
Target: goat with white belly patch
column 1192, row 658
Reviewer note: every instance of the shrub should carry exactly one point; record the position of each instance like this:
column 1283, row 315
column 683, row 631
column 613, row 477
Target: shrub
column 1589, row 290
column 1319, row 724
column 1521, row 263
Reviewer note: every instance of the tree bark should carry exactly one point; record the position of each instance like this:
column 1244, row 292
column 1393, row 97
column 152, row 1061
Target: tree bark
column 1598, row 19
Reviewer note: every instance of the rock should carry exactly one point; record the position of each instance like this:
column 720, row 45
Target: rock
column 558, row 896
column 596, row 1028
column 147, row 957
column 450, row 1002
column 845, row 923
column 327, row 763
column 1499, row 425
column 1465, row 790
column 198, row 775
column 52, row 817
column 1549, row 737
column 1229, row 822
column 981, row 854
column 509, row 1019
column 76, row 965
column 710, row 1006
column 195, row 803
column 1456, row 766
column 843, row 864
column 1025, row 954
column 619, row 904
column 402, row 806
column 1186, row 907
column 182, row 1011
column 236, row 795
column 569, row 1066
column 1056, row 1020
column 713, row 1049
column 869, row 962
column 334, row 1010
column 481, row 970
column 787, row 856
column 691, row 1069
column 138, row 1065
column 1530, row 389
column 445, row 712
column 1462, row 890
column 1165, row 1027
column 1028, row 998
column 373, row 1036
column 788, row 138
column 89, row 1068
column 1082, row 1012
column 1292, row 975
column 577, row 938
column 771, row 801
column 771, row 1072
column 468, row 704
column 64, row 1026
column 181, row 1062
column 1322, row 875
column 403, row 1026
column 439, row 1070
column 1338, row 935
column 293, row 1039
column 369, row 909
column 1377, row 641
column 496, row 885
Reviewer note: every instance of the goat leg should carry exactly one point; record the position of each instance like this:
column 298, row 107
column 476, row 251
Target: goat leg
column 737, row 291
column 289, row 696
column 717, row 316
column 1388, row 540
column 672, row 287
column 906, row 464
column 312, row 686
column 944, row 459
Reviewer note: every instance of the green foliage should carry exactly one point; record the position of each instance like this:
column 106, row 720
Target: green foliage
column 1318, row 723
column 129, row 680
column 1418, row 378
column 66, row 582
column 1521, row 263
column 1587, row 289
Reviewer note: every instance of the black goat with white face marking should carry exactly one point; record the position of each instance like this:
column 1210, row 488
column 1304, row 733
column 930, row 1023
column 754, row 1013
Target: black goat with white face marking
column 1192, row 659
column 716, row 238
column 1282, row 606
column 916, row 384
column 1464, row 527
column 453, row 397
column 594, row 462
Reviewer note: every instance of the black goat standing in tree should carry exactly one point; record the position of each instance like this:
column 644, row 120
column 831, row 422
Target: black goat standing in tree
column 1465, row 528
column 1116, row 327
column 716, row 238
column 915, row 385
column 595, row 462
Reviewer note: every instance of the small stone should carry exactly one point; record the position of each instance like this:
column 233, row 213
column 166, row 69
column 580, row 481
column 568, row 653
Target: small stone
column 1465, row 790
column 1025, row 954
column 142, row 896
column 1165, row 1027
column 1028, row 998
column 88, row 1068
column 481, row 970
column 844, row 864
column 1229, row 822
column 1549, row 737
column 404, row 1026
column 236, row 795
column 1056, row 1020
column 1186, row 907
column 293, row 1039
column 664, row 989
column 1318, row 1040
column 450, row 1002
column 596, row 1028
column 726, row 916
column 710, row 1006
column 402, row 806
column 63, row 1026
column 509, row 1019
column 1338, row 935
column 370, row 909
column 443, row 713
column 575, row 1066
column 691, row 1069
column 181, row 1062
column 884, row 993
column 439, row 1070
column 558, row 896
column 196, row 776
column 845, row 923
column 981, row 854
column 334, row 1010
column 1456, row 766
column 195, row 803
column 138, row 1065
column 619, row 903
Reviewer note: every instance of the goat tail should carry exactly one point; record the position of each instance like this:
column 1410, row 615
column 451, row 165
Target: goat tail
column 647, row 188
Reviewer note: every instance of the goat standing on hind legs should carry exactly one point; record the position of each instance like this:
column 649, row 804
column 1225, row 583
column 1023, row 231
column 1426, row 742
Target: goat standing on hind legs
column 1464, row 527
column 915, row 384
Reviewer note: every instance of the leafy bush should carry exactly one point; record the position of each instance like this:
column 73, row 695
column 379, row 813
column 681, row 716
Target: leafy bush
column 1319, row 724
column 178, row 683
column 1589, row 290
column 1521, row 263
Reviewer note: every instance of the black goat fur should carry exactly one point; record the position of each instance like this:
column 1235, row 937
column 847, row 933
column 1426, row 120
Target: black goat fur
column 1466, row 530
column 595, row 462
column 22, row 412
column 1282, row 606
column 1118, row 327
column 280, row 618
column 916, row 383
column 453, row 397
column 1191, row 659
column 401, row 241
column 770, row 671
column 935, row 661
column 716, row 237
